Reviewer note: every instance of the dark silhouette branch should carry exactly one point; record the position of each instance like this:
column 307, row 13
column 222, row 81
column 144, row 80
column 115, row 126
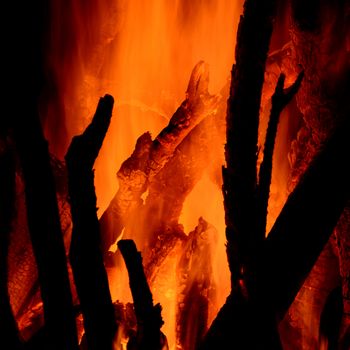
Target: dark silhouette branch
column 242, row 120
column 280, row 100
column 85, row 252
column 9, row 334
column 148, row 316
column 45, row 231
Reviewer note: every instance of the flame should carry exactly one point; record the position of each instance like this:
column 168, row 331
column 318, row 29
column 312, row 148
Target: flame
column 142, row 52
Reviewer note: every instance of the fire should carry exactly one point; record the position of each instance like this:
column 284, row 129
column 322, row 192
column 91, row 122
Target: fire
column 142, row 52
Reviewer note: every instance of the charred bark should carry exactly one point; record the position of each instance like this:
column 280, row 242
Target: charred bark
column 32, row 150
column 245, row 309
column 9, row 335
column 137, row 172
column 148, row 316
column 195, row 285
column 307, row 221
column 169, row 190
column 320, row 34
column 85, row 251
column 132, row 179
column 240, row 179
column 45, row 231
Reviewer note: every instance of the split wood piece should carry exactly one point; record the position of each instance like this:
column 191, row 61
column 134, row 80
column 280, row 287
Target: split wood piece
column 306, row 222
column 280, row 100
column 45, row 230
column 148, row 316
column 195, row 286
column 242, row 120
column 9, row 334
column 85, row 253
column 150, row 156
column 169, row 190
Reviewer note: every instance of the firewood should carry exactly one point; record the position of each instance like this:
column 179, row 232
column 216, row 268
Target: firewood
column 148, row 316
column 132, row 179
column 195, row 286
column 245, row 312
column 45, row 230
column 85, row 252
column 242, row 120
column 8, row 327
column 150, row 157
column 307, row 221
column 323, row 100
column 168, row 191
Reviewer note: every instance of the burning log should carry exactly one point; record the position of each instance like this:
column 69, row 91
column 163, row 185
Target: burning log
column 45, row 232
column 148, row 316
column 85, row 251
column 319, row 36
column 137, row 172
column 307, row 221
column 195, row 286
column 22, row 270
column 240, row 186
column 242, row 120
column 132, row 180
column 169, row 190
column 245, row 201
column 8, row 325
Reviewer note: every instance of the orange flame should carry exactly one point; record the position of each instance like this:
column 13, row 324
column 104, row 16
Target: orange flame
column 142, row 52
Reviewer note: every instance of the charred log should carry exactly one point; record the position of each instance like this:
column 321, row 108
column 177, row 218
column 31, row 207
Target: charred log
column 132, row 179
column 85, row 252
column 137, row 172
column 307, row 221
column 195, row 285
column 319, row 34
column 169, row 190
column 8, row 326
column 148, row 316
column 242, row 120
column 45, row 232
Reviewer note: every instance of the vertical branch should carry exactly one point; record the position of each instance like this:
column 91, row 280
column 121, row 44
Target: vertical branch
column 242, row 119
column 149, row 319
column 280, row 99
column 85, row 252
column 40, row 194
column 8, row 327
column 45, row 231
